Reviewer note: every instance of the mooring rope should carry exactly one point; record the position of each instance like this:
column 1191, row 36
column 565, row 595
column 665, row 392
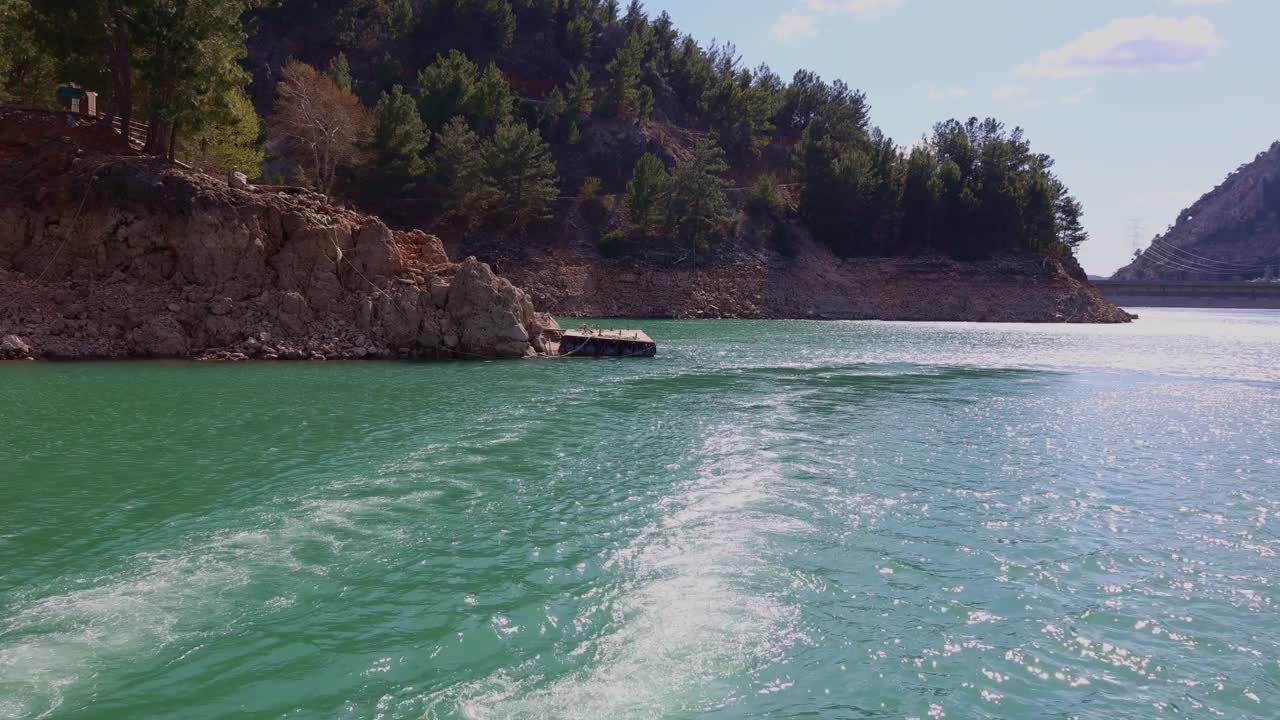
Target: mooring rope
column 93, row 176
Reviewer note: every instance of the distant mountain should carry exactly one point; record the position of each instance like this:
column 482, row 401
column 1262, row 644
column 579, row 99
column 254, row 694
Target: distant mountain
column 1231, row 233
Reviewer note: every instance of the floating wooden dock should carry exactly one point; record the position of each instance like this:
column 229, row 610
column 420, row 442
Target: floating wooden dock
column 594, row 342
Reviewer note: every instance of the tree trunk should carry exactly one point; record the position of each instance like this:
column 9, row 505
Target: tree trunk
column 157, row 137
column 121, row 69
column 173, row 141
column 153, row 126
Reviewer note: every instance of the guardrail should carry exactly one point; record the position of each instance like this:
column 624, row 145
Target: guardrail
column 137, row 131
column 1191, row 293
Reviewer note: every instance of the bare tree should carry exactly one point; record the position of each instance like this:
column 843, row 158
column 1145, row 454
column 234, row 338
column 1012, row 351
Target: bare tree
column 321, row 126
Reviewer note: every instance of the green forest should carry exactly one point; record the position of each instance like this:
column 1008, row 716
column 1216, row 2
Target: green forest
column 505, row 114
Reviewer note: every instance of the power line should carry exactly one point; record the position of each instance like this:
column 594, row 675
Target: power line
column 1160, row 262
column 1169, row 260
column 1262, row 264
column 1155, row 256
column 1170, row 247
column 1157, row 251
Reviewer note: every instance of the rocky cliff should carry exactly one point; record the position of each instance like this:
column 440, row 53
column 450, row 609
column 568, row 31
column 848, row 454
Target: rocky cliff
column 107, row 256
column 812, row 283
column 1231, row 233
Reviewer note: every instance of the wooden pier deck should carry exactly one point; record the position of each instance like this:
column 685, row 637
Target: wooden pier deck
column 594, row 342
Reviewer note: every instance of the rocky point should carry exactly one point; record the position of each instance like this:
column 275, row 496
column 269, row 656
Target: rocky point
column 109, row 256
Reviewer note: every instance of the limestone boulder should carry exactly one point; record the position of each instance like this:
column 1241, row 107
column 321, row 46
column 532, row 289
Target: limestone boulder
column 159, row 337
column 492, row 316
column 12, row 347
column 293, row 313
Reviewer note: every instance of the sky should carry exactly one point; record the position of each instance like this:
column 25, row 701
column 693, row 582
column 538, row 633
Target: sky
column 1144, row 104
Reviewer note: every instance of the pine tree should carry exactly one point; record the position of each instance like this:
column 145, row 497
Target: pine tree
column 578, row 38
column 644, row 102
column 646, row 192
column 635, row 16
column 445, row 87
column 458, row 177
column 742, row 112
column 517, row 166
column 453, row 86
column 665, row 36
column 918, row 201
column 696, row 206
column 609, row 11
column 366, row 24
column 1040, row 230
column 1071, row 230
column 491, row 102
column 339, row 71
column 624, row 85
column 190, row 55
column 765, row 197
column 401, row 20
column 554, row 111
column 399, row 135
column 28, row 71
column 581, row 97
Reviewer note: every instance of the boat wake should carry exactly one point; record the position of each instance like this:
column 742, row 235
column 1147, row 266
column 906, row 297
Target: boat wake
column 695, row 611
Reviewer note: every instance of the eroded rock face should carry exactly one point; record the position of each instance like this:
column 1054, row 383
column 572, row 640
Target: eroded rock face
column 131, row 258
column 494, row 318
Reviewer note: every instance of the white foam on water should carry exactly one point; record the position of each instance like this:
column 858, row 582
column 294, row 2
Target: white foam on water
column 687, row 616
column 51, row 643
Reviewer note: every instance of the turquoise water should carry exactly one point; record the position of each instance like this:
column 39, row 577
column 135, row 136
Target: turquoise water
column 784, row 519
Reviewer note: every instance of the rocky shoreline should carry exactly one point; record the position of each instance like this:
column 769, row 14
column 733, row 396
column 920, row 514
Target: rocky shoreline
column 814, row 284
column 104, row 256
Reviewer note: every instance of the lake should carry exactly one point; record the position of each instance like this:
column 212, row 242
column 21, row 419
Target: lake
column 785, row 519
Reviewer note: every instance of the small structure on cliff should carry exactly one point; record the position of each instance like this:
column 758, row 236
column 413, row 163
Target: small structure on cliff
column 594, row 342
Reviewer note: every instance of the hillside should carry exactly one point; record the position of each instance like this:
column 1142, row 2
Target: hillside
column 549, row 134
column 1230, row 233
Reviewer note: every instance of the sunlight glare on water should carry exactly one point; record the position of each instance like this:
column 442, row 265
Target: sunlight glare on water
column 790, row 519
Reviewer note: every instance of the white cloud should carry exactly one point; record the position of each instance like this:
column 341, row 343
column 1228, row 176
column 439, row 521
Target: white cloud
column 1144, row 43
column 946, row 93
column 792, row 26
column 1077, row 97
column 802, row 22
column 1005, row 92
column 859, row 8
